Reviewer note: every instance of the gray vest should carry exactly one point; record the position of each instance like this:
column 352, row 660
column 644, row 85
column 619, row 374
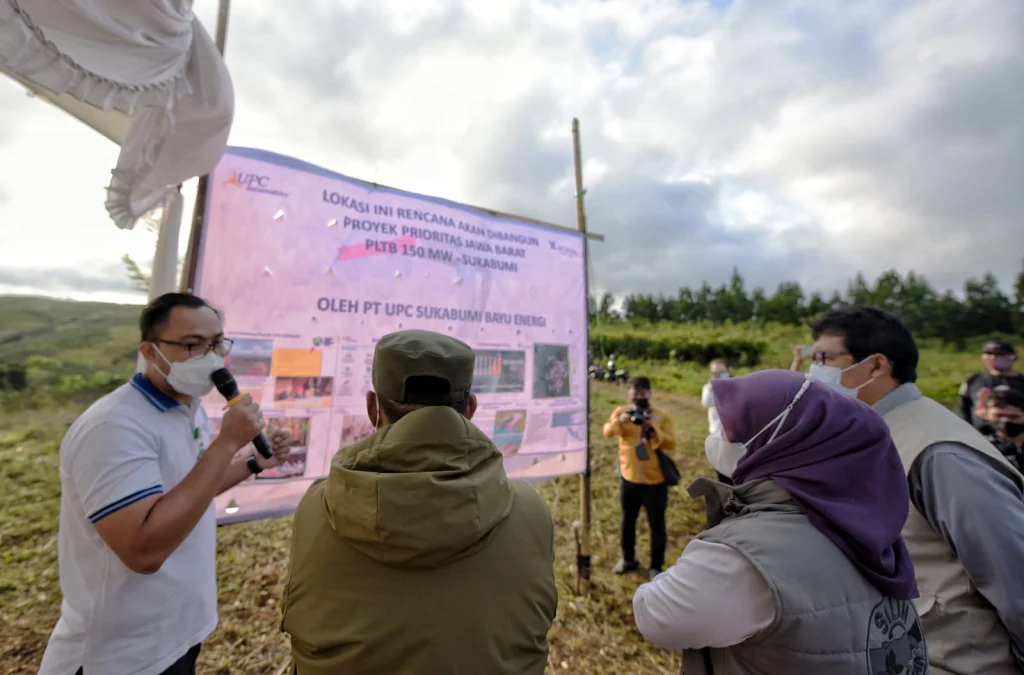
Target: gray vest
column 828, row 619
column 967, row 635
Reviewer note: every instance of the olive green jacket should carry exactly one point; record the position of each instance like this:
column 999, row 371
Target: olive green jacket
column 417, row 556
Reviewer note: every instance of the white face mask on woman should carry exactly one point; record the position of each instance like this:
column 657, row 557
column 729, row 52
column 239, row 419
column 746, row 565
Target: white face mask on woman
column 832, row 377
column 192, row 377
column 724, row 455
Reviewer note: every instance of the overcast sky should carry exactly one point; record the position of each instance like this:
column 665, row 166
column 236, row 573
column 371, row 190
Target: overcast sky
column 794, row 139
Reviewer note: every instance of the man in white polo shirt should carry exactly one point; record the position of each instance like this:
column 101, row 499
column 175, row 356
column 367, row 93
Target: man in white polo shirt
column 137, row 543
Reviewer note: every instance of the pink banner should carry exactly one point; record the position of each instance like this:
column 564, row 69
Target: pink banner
column 311, row 268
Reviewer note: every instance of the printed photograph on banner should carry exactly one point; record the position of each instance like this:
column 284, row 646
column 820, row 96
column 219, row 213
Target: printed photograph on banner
column 303, row 392
column 573, row 423
column 290, row 362
column 551, row 371
column 354, row 428
column 556, row 431
column 214, row 402
column 546, row 466
column 250, row 358
column 499, row 372
column 509, row 426
column 296, row 465
column 510, row 422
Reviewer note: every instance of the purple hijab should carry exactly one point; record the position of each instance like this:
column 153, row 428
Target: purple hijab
column 835, row 457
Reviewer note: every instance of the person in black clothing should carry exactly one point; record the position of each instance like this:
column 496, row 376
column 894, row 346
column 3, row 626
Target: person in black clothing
column 1006, row 413
column 999, row 358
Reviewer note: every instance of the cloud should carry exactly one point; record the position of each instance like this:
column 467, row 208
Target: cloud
column 87, row 280
column 793, row 139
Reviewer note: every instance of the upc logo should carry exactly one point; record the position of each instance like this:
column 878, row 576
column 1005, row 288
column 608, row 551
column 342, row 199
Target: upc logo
column 253, row 182
column 564, row 250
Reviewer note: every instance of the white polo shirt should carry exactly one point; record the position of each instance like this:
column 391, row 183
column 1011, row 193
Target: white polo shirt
column 133, row 443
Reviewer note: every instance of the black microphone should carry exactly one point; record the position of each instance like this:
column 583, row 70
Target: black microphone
column 228, row 388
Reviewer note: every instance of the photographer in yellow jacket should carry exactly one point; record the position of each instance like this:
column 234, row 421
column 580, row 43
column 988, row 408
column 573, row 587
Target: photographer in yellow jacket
column 644, row 431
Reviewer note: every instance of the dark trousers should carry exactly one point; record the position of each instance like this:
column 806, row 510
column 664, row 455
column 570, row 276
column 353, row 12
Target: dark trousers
column 186, row 665
column 654, row 500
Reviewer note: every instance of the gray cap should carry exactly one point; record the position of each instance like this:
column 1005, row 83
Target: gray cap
column 422, row 353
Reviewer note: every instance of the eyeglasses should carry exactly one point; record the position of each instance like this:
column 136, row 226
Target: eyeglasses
column 201, row 347
column 820, row 358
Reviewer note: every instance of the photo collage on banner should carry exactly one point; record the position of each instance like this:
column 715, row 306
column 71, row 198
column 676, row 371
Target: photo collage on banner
column 312, row 268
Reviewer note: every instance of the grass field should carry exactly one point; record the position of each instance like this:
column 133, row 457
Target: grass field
column 595, row 636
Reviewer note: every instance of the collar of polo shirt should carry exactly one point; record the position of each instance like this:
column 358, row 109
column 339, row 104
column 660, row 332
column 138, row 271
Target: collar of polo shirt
column 160, row 400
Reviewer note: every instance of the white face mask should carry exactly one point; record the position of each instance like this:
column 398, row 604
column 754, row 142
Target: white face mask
column 832, row 377
column 722, row 454
column 725, row 455
column 192, row 377
column 376, row 422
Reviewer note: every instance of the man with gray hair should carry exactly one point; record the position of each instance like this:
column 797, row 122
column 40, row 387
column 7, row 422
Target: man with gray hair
column 417, row 555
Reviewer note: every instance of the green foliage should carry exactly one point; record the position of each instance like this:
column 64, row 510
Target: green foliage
column 55, row 353
column 136, row 275
column 83, row 335
column 983, row 308
column 701, row 343
column 940, row 371
column 13, row 377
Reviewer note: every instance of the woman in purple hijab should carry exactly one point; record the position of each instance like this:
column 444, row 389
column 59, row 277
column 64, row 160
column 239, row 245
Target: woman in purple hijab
column 802, row 568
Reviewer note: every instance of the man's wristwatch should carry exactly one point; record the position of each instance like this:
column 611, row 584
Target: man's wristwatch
column 254, row 466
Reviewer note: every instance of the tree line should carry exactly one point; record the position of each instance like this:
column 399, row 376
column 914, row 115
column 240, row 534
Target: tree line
column 982, row 309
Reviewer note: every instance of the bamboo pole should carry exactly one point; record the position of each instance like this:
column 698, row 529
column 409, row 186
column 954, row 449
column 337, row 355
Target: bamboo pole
column 583, row 531
column 188, row 274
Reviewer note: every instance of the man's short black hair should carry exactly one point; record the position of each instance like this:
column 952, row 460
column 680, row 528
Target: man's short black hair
column 997, row 347
column 1005, row 397
column 420, row 388
column 640, row 382
column 157, row 313
column 868, row 331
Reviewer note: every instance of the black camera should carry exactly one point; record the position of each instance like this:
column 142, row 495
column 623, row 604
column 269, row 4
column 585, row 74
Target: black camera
column 640, row 412
column 1009, row 450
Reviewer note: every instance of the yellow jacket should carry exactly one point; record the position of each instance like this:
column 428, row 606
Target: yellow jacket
column 636, row 470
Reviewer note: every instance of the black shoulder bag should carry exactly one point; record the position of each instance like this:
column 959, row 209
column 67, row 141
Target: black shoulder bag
column 668, row 469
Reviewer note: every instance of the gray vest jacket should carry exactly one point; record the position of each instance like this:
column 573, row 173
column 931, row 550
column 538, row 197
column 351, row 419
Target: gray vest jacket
column 828, row 619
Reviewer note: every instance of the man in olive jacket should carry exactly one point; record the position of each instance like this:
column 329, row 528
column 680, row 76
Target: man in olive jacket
column 417, row 555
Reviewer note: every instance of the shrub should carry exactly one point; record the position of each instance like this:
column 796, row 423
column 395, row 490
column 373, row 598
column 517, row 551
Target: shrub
column 682, row 342
column 13, row 377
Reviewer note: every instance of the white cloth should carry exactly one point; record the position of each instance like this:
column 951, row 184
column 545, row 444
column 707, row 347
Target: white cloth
column 131, row 444
column 712, row 597
column 707, row 399
column 149, row 61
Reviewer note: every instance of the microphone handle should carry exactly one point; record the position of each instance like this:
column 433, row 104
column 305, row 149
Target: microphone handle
column 260, row 442
column 262, row 445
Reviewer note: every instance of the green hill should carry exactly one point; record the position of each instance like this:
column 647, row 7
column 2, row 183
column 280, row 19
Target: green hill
column 84, row 336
